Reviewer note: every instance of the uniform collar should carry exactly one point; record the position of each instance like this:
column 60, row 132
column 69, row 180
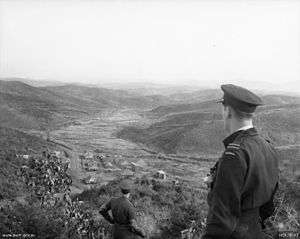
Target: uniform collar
column 123, row 196
column 246, row 127
column 244, row 130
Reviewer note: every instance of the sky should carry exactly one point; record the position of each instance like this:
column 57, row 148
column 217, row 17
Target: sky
column 253, row 43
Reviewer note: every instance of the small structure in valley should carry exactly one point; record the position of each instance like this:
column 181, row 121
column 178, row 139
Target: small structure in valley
column 57, row 153
column 160, row 174
column 24, row 156
column 93, row 168
column 175, row 182
column 90, row 180
column 88, row 155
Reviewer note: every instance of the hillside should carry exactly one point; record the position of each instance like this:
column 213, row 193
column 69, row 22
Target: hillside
column 164, row 206
column 209, row 105
column 12, row 139
column 205, row 106
column 197, row 128
column 197, row 96
column 27, row 107
column 150, row 88
column 34, row 82
column 109, row 97
column 280, row 100
column 14, row 142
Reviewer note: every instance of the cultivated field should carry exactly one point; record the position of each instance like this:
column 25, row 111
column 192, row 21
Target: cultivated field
column 99, row 133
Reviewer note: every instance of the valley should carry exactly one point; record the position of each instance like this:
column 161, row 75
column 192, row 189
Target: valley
column 180, row 133
column 165, row 143
column 99, row 133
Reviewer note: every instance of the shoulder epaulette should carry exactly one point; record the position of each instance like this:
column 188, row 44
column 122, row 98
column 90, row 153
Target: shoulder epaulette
column 231, row 149
column 229, row 153
column 233, row 146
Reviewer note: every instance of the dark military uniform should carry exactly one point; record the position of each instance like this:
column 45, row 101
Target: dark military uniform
column 123, row 217
column 244, row 181
column 123, row 212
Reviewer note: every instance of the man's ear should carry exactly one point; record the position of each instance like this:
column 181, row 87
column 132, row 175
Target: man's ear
column 229, row 112
column 226, row 111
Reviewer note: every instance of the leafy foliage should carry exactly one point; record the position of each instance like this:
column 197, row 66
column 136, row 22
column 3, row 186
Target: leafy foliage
column 46, row 175
column 163, row 209
column 41, row 212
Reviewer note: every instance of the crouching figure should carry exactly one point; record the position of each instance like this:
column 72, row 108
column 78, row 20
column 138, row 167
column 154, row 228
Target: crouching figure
column 123, row 215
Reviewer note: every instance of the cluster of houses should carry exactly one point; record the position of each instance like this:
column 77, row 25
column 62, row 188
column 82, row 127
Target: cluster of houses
column 94, row 162
column 88, row 162
column 23, row 156
column 90, row 179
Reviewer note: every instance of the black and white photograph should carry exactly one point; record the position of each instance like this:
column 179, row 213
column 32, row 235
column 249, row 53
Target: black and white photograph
column 157, row 119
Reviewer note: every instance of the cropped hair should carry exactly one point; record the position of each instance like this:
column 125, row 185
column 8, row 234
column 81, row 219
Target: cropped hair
column 125, row 191
column 242, row 115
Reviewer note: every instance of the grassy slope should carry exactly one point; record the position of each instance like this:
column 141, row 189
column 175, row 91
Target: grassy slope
column 12, row 142
column 108, row 97
column 198, row 128
column 27, row 107
column 11, row 139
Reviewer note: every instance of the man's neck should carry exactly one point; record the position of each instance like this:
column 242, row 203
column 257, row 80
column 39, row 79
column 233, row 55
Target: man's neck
column 241, row 126
column 126, row 195
column 245, row 127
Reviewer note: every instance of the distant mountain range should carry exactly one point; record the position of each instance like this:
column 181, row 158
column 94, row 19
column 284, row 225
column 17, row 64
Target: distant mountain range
column 25, row 106
column 28, row 107
column 150, row 88
column 31, row 107
column 34, row 82
column 109, row 97
column 183, row 121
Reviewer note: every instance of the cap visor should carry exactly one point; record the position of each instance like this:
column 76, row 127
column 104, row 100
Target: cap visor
column 220, row 100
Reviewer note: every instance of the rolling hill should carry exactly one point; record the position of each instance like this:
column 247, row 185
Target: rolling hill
column 191, row 124
column 209, row 105
column 14, row 142
column 109, row 97
column 197, row 96
column 206, row 106
column 12, row 139
column 27, row 107
column 197, row 128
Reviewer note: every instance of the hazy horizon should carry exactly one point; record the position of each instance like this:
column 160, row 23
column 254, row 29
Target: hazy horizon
column 204, row 43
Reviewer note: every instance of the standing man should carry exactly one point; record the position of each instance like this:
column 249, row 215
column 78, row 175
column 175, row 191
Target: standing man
column 123, row 214
column 245, row 178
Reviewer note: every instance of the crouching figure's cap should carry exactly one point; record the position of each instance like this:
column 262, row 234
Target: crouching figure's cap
column 125, row 185
column 240, row 98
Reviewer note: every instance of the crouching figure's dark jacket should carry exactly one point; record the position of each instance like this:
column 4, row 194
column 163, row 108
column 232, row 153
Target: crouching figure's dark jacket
column 123, row 218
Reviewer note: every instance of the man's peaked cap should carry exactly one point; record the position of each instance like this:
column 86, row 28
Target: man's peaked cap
column 240, row 98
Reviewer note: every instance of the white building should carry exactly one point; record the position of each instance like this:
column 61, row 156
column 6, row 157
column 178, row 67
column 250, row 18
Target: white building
column 161, row 174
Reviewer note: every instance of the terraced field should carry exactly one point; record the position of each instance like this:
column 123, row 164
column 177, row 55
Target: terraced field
column 100, row 133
